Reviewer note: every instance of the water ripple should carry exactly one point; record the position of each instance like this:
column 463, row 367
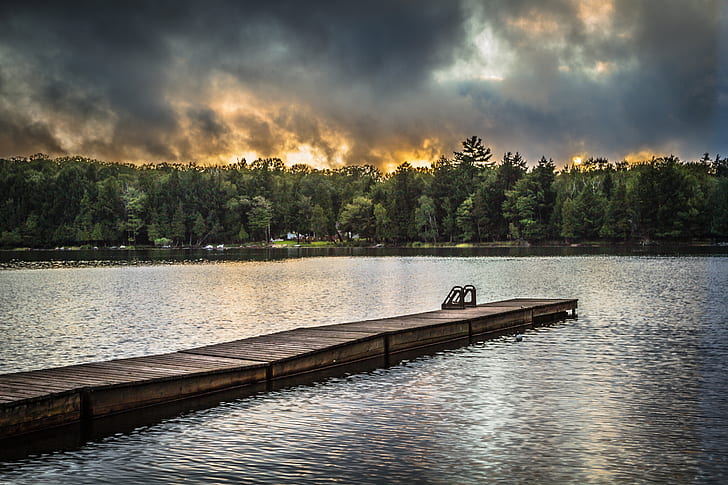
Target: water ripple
column 634, row 391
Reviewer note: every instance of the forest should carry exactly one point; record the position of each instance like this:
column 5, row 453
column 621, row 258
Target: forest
column 469, row 197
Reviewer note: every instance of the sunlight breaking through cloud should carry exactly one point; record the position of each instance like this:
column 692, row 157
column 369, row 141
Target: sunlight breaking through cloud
column 348, row 84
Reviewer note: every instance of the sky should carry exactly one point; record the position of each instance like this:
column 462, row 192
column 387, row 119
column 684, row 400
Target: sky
column 332, row 83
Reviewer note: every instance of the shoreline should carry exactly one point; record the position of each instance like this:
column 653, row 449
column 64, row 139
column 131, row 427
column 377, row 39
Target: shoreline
column 37, row 259
column 411, row 245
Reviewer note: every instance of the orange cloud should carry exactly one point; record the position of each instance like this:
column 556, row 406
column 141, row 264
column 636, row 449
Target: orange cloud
column 640, row 156
column 647, row 154
column 596, row 15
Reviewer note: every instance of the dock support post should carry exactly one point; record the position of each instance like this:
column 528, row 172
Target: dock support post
column 386, row 351
column 528, row 315
column 268, row 377
column 85, row 411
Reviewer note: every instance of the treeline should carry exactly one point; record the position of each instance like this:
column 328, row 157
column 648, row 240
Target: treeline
column 466, row 198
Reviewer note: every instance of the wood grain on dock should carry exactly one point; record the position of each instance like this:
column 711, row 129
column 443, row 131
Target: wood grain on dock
column 46, row 398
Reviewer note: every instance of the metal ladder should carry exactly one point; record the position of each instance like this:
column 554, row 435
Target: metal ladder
column 459, row 298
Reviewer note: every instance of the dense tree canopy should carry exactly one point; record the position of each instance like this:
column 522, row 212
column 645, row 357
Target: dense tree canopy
column 75, row 201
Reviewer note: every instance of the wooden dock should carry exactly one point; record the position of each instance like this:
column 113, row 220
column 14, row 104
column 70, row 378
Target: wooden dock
column 42, row 399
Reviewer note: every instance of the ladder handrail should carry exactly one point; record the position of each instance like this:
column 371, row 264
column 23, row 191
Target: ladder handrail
column 469, row 290
column 459, row 298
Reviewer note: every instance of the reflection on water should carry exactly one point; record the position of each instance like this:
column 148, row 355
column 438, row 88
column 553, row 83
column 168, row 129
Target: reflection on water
column 633, row 391
column 47, row 259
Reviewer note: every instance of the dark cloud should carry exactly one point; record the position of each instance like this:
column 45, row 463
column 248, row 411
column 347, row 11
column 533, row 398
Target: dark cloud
column 260, row 137
column 657, row 89
column 207, row 123
column 360, row 81
column 14, row 132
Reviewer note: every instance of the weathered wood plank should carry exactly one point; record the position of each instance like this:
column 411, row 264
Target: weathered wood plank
column 192, row 361
column 114, row 399
column 39, row 413
column 420, row 337
column 359, row 350
column 91, row 376
column 353, row 334
column 261, row 357
column 22, row 393
column 64, row 374
column 20, row 389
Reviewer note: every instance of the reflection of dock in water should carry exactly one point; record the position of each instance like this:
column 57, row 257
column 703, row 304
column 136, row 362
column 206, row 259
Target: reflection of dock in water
column 42, row 399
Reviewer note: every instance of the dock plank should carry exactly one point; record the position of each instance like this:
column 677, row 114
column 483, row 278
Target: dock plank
column 34, row 384
column 92, row 376
column 61, row 376
column 351, row 335
column 524, row 302
column 259, row 356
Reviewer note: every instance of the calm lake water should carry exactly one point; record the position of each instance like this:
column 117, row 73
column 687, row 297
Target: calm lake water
column 633, row 391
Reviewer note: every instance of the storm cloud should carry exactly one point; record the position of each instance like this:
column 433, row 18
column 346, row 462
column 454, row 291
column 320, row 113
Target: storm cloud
column 332, row 82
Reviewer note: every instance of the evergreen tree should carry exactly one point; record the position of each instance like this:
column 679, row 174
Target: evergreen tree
column 445, row 201
column 617, row 218
column 473, row 152
column 133, row 199
column 199, row 229
column 719, row 207
column 260, row 217
column 425, row 218
column 178, row 227
column 466, row 221
column 406, row 190
column 383, row 224
column 358, row 217
column 529, row 205
column 320, row 222
column 491, row 195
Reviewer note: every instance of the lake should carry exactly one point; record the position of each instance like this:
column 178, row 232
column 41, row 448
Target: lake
column 633, row 391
